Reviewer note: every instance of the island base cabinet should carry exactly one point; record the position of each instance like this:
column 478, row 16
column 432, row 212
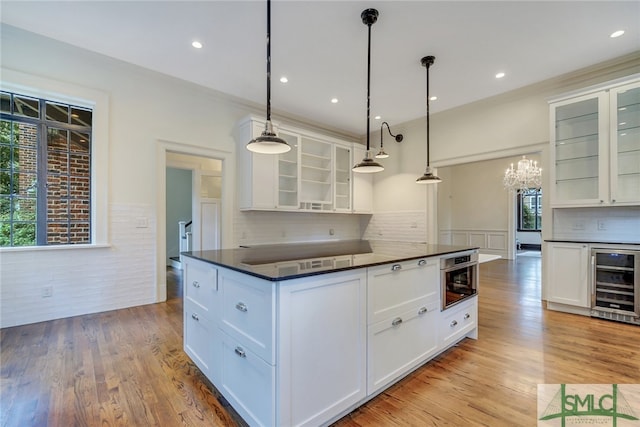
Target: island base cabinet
column 247, row 382
column 400, row 344
column 459, row 321
column 200, row 339
column 322, row 350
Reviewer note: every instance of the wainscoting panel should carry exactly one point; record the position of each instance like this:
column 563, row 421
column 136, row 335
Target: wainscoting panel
column 489, row 241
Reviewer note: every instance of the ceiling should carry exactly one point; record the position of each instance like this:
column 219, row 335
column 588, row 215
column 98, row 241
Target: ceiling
column 321, row 46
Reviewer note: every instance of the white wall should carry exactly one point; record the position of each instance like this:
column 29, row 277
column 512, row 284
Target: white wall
column 150, row 115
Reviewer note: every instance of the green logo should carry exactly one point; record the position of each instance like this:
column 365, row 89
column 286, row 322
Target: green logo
column 588, row 405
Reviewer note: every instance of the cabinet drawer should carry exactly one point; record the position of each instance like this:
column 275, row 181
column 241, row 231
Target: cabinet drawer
column 248, row 312
column 399, row 344
column 201, row 336
column 395, row 288
column 458, row 321
column 248, row 383
column 200, row 284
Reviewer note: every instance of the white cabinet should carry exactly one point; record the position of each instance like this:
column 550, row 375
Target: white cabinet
column 201, row 299
column 458, row 321
column 362, row 184
column 322, row 347
column 314, row 176
column 595, row 146
column 567, row 274
column 403, row 303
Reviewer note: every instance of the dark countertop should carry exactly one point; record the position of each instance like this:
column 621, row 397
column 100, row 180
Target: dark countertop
column 591, row 242
column 290, row 261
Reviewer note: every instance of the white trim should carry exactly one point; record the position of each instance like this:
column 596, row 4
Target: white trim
column 27, row 84
column 491, row 155
column 227, row 199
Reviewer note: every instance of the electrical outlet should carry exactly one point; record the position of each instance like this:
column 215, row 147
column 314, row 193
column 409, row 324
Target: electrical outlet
column 142, row 222
column 602, row 225
column 578, row 225
column 331, row 232
column 47, row 291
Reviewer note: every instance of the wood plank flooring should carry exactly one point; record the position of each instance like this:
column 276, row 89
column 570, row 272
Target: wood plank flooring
column 127, row 367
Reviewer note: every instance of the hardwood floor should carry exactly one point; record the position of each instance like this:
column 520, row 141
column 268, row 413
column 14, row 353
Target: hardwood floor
column 127, row 367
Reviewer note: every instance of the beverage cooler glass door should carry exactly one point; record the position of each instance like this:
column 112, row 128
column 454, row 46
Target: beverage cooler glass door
column 616, row 282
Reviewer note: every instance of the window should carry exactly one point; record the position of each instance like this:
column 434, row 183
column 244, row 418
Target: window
column 530, row 209
column 45, row 172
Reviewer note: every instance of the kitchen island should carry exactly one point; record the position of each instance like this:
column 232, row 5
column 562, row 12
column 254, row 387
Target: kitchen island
column 302, row 334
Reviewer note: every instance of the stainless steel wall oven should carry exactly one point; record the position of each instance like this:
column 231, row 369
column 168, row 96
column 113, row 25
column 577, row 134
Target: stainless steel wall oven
column 615, row 284
column 459, row 278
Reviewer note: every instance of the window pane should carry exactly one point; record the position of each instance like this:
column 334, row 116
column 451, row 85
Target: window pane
column 57, row 233
column 5, row 233
column 79, row 142
column 79, row 165
column 57, row 139
column 57, row 162
column 80, row 233
column 57, row 211
column 25, row 160
column 24, row 234
column 57, row 186
column 5, row 102
column 28, row 107
column 57, row 112
column 80, row 188
column 25, row 184
column 5, row 183
column 79, row 210
column 26, row 135
column 81, row 117
column 24, row 209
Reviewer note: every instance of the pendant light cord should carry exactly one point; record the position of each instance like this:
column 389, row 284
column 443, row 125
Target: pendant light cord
column 368, row 85
column 427, row 66
column 268, row 60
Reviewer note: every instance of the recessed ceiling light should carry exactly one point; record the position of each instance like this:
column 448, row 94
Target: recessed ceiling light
column 196, row 44
column 616, row 34
column 284, row 79
column 500, row 75
column 334, row 100
column 377, row 117
column 433, row 98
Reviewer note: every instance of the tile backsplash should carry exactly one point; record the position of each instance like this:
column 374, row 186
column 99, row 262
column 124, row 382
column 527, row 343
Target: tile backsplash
column 602, row 224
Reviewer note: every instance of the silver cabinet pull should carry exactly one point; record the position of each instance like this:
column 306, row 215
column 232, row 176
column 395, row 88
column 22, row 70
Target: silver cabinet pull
column 240, row 352
column 467, row 315
column 454, row 323
column 397, row 321
column 242, row 307
column 396, row 267
column 196, row 284
column 422, row 310
column 195, row 317
column 422, row 262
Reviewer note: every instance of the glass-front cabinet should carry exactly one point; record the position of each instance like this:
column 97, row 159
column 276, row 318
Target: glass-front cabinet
column 342, row 178
column 595, row 147
column 288, row 172
column 316, row 161
column 625, row 144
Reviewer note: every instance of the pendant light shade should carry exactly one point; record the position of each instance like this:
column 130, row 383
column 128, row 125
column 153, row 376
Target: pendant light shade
column 268, row 142
column 382, row 154
column 368, row 165
column 428, row 177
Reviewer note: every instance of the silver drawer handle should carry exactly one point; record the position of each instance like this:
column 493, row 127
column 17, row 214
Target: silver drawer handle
column 422, row 310
column 195, row 317
column 196, row 284
column 240, row 352
column 467, row 315
column 396, row 267
column 422, row 262
column 397, row 321
column 454, row 323
column 242, row 307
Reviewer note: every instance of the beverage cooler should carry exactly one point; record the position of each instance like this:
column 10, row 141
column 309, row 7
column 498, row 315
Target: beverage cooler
column 615, row 281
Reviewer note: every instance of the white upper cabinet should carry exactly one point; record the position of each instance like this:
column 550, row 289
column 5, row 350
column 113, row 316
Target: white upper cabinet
column 314, row 176
column 595, row 147
column 362, row 184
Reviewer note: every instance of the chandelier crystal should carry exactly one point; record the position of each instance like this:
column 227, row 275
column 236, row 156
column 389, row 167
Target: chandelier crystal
column 527, row 175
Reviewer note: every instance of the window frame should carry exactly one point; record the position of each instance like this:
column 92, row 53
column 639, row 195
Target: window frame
column 537, row 209
column 96, row 100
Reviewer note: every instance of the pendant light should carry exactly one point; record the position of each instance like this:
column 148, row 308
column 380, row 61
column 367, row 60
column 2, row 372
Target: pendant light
column 368, row 165
column 268, row 142
column 381, row 154
column 428, row 177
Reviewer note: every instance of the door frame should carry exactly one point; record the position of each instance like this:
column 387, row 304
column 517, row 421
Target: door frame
column 163, row 147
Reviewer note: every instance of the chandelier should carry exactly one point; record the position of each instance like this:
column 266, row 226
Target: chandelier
column 527, row 175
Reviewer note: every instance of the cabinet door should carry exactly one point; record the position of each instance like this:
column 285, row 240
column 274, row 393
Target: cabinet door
column 567, row 274
column 579, row 156
column 322, row 347
column 459, row 321
column 362, row 184
column 625, row 144
column 288, row 171
column 257, row 175
column 201, row 340
column 342, row 179
column 316, row 161
column 399, row 344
